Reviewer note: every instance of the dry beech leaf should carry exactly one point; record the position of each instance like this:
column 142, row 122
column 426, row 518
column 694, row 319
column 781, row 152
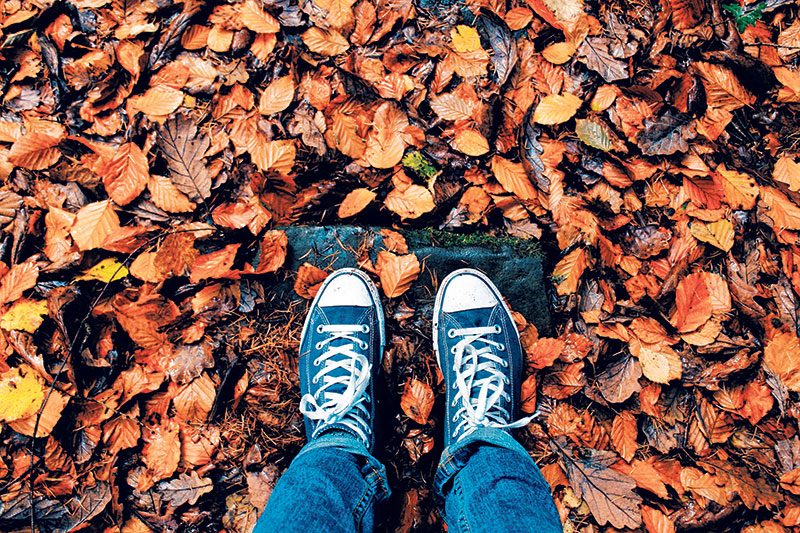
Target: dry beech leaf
column 93, row 224
column 35, row 151
column 660, row 363
column 166, row 195
column 719, row 234
column 518, row 17
column 470, row 142
column 740, row 189
column 159, row 101
column 385, row 145
column 452, row 107
column 256, row 19
column 787, row 171
column 655, row 521
column 355, row 202
column 126, row 174
column 309, row 280
column 325, row 42
column 397, row 272
column 214, row 265
column 513, row 177
column 567, row 273
column 693, row 303
column 556, row 108
column 417, row 401
column 624, row 433
column 277, row 96
column 194, row 400
column 411, row 202
column 339, row 12
column 17, row 280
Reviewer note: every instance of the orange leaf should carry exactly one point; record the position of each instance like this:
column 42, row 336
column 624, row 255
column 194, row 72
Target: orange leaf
column 397, row 272
column 355, row 201
column 513, row 178
column 50, row 415
column 17, row 280
column 604, row 97
column 35, row 151
column 93, row 224
column 624, row 433
column 275, row 155
column 757, row 401
column 126, row 174
column 256, row 19
column 693, row 303
column 782, row 356
column 160, row 100
column 723, row 89
column 340, row 12
column 518, row 17
column 559, row 53
column 787, row 171
column 214, row 265
column 166, row 196
column 309, row 280
column 544, row 352
column 740, row 189
column 780, row 209
column 144, row 267
column 719, row 234
column 452, row 107
column 162, row 449
column 277, row 96
column 655, row 521
column 411, row 202
column 528, row 394
column 194, row 401
column 394, row 242
column 568, row 271
column 385, row 145
column 470, row 142
column 556, row 108
column 325, row 42
column 659, row 362
column 271, row 252
column 417, row 401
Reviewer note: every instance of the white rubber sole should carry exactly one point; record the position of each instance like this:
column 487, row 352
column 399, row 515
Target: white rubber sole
column 373, row 291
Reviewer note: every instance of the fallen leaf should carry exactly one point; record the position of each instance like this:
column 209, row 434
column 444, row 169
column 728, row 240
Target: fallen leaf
column 24, row 315
column 185, row 489
column 309, row 280
column 355, row 202
column 693, row 303
column 105, row 271
column 397, row 272
column 556, row 108
column 417, row 401
column 21, row 393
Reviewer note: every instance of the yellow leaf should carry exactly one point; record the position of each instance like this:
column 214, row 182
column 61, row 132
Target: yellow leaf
column 787, row 171
column 21, row 393
column 513, row 178
column 660, row 363
column 44, row 424
column 24, row 315
column 325, row 42
column 471, row 142
column 355, row 201
column 277, row 96
column 568, row 272
column 106, row 271
column 220, row 39
column 559, row 53
column 465, row 39
column 719, row 233
column 556, row 108
column 740, row 189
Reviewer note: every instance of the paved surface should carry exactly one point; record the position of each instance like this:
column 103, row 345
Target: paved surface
column 516, row 270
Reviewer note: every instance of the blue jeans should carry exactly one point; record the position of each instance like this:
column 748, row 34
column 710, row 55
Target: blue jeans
column 485, row 483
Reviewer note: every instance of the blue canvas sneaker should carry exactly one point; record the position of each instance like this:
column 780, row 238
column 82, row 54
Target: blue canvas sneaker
column 341, row 348
column 478, row 350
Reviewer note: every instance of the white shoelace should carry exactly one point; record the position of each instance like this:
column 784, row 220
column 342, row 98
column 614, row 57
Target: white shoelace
column 331, row 404
column 481, row 410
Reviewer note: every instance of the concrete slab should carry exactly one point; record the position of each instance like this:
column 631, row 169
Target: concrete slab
column 514, row 265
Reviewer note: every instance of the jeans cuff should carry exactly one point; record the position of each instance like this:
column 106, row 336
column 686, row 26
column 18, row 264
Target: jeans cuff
column 373, row 470
column 455, row 456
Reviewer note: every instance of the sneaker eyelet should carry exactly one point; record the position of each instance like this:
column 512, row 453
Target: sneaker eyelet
column 502, row 347
column 365, row 329
column 453, row 350
column 506, row 380
column 364, row 345
column 316, row 361
column 455, row 419
column 504, row 362
column 453, row 403
column 318, row 346
column 315, row 379
column 319, row 328
column 451, row 333
column 507, row 396
column 497, row 329
column 455, row 387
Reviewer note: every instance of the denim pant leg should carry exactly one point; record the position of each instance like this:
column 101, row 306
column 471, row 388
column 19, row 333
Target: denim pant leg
column 488, row 483
column 332, row 485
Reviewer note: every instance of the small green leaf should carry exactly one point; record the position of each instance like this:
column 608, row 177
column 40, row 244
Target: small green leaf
column 594, row 134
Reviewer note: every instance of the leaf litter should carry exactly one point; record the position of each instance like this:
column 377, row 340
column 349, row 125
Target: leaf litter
column 150, row 152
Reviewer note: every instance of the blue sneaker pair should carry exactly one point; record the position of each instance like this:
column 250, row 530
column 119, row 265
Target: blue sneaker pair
column 477, row 347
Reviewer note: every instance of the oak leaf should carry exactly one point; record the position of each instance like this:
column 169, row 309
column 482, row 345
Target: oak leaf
column 185, row 489
column 397, row 272
column 417, row 401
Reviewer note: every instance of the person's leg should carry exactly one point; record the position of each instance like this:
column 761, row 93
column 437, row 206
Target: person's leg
column 332, row 485
column 334, row 482
column 486, row 481
column 489, row 483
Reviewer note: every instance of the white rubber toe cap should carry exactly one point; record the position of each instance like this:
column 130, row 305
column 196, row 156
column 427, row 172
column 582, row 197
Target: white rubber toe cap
column 345, row 289
column 465, row 292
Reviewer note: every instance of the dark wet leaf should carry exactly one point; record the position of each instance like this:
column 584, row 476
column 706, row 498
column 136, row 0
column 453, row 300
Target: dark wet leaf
column 504, row 47
column 620, row 380
column 666, row 134
column 184, row 149
column 595, row 54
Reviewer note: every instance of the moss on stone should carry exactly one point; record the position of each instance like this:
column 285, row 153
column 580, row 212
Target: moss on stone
column 446, row 239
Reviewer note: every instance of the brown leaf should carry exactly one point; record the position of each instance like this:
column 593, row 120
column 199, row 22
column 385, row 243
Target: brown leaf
column 397, row 272
column 256, row 19
column 325, row 42
column 410, row 202
column 723, row 89
column 183, row 150
column 417, row 401
column 277, row 96
column 162, row 449
column 594, row 53
column 185, row 489
column 609, row 494
column 693, row 303
column 620, row 380
column 309, row 280
column 126, row 174
column 385, row 145
column 193, row 401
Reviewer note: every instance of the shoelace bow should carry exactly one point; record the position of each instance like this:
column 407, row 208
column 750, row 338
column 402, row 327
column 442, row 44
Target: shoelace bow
column 483, row 409
column 340, row 399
